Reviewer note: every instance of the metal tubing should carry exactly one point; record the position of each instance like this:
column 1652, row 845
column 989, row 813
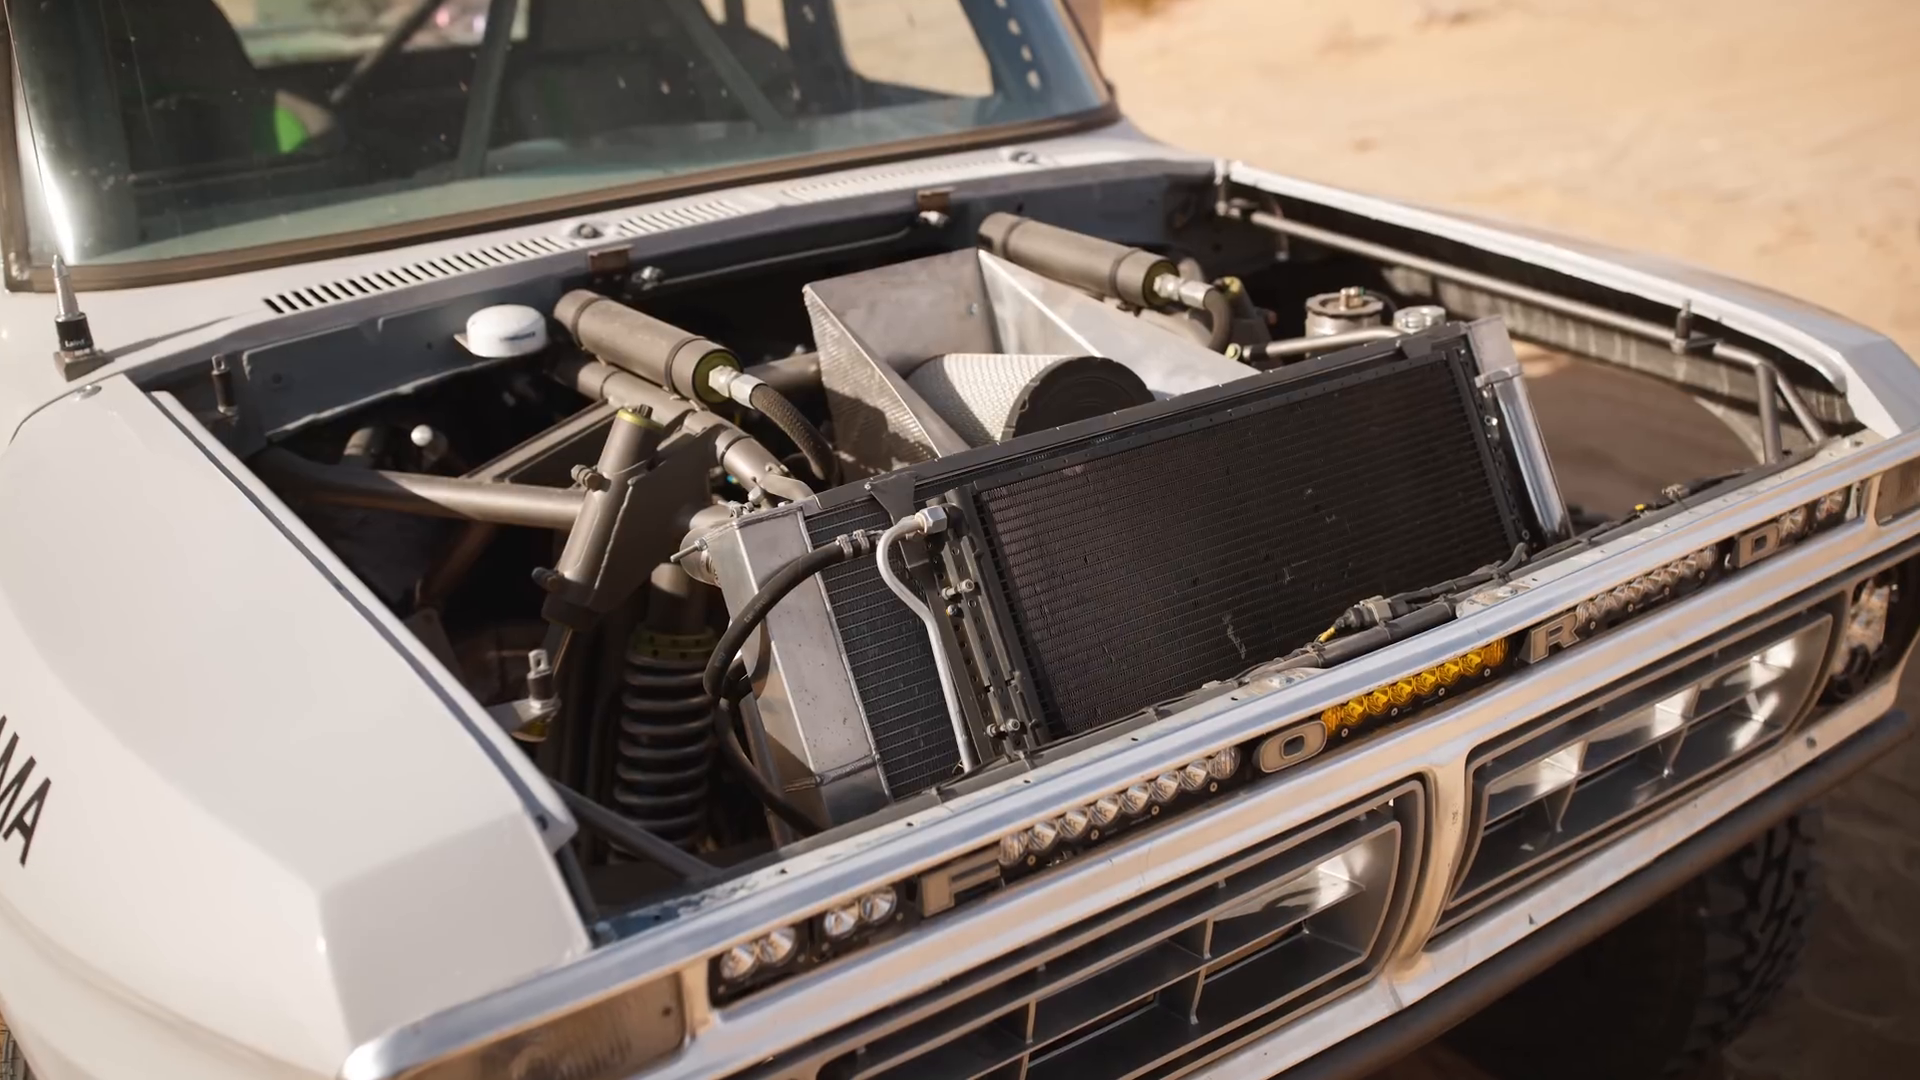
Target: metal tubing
column 1293, row 348
column 634, row 341
column 419, row 493
column 739, row 453
column 791, row 375
column 883, row 552
column 1085, row 262
column 450, row 569
column 1766, row 376
column 1769, row 413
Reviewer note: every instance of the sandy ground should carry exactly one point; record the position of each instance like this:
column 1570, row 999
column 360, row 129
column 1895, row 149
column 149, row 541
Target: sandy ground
column 1774, row 140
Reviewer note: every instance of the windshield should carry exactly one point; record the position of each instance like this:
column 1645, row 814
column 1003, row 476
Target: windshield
column 155, row 129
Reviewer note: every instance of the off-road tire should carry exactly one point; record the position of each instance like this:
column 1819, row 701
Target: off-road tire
column 1660, row 995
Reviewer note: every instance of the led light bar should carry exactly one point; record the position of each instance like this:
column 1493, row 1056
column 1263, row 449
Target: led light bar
column 1390, row 702
column 1054, row 838
column 783, row 950
column 754, row 963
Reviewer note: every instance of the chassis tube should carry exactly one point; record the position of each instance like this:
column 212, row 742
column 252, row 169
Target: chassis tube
column 739, row 453
column 420, row 493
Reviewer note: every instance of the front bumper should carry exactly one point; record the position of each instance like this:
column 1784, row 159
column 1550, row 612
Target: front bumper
column 796, row 1027
column 1560, row 916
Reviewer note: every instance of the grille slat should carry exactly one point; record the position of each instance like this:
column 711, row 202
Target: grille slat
column 1166, row 980
column 1551, row 792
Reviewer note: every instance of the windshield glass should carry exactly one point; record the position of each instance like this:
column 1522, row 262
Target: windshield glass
column 163, row 128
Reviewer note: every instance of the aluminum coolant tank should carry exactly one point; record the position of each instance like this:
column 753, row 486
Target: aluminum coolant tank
column 991, row 397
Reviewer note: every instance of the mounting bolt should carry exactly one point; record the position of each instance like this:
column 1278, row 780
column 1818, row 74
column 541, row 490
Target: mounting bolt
column 648, row 276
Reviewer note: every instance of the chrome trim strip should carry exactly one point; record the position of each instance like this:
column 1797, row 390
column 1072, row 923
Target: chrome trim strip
column 1435, row 749
column 1506, row 924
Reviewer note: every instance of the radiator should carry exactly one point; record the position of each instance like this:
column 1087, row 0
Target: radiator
column 1105, row 566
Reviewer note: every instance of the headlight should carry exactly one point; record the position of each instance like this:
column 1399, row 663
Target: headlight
column 614, row 1037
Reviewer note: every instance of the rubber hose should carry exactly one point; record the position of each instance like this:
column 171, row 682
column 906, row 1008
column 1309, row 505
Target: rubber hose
column 774, row 405
column 716, row 677
column 736, row 756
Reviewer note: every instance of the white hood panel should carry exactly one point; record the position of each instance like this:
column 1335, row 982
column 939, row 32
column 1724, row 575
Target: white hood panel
column 318, row 849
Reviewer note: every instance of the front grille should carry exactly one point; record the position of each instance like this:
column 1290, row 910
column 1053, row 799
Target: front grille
column 1140, row 575
column 1167, row 981
column 1543, row 796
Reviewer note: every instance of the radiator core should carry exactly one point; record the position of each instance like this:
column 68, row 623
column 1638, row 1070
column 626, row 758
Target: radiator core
column 1129, row 560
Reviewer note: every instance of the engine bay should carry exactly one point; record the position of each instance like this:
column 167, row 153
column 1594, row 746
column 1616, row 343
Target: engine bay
column 745, row 556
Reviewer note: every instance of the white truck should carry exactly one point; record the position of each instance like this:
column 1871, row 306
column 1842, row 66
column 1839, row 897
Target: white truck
column 574, row 539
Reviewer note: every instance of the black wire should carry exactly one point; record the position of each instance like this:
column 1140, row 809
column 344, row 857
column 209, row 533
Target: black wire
column 628, row 835
column 725, row 679
column 754, row 612
column 726, row 708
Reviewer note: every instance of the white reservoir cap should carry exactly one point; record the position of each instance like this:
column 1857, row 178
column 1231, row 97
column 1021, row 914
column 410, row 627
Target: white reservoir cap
column 505, row 330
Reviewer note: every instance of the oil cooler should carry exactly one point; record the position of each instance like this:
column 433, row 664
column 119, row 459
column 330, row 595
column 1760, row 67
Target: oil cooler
column 1098, row 568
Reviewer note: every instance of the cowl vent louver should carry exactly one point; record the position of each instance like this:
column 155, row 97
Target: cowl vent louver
column 912, row 174
column 679, row 217
column 399, row 277
column 653, row 221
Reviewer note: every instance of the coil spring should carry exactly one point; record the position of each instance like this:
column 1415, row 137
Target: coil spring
column 665, row 743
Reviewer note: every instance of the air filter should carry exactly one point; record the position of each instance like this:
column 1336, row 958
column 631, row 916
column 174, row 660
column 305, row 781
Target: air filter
column 992, row 397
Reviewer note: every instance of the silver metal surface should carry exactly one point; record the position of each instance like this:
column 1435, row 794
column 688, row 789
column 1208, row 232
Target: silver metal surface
column 1494, row 351
column 1352, row 308
column 920, row 524
column 1421, row 972
column 1033, row 314
column 422, row 493
column 1763, row 369
column 876, row 327
column 1294, row 348
column 804, row 704
column 872, row 328
column 1436, row 749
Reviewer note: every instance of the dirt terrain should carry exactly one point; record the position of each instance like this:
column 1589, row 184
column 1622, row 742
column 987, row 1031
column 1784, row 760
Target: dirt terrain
column 1774, row 140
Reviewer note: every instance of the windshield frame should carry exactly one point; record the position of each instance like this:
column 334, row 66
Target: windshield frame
column 24, row 274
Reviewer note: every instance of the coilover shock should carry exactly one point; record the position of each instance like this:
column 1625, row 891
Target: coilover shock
column 664, row 744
